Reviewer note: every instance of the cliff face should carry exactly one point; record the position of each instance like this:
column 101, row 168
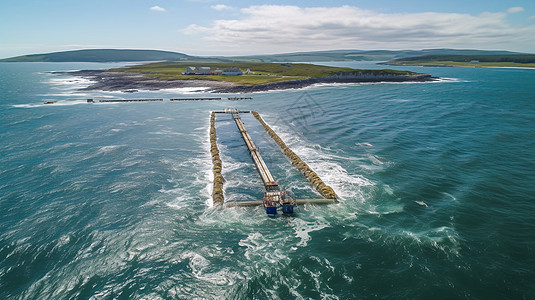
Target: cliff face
column 360, row 76
column 339, row 78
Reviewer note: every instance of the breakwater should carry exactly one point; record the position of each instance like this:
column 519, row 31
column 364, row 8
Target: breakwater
column 153, row 100
column 240, row 98
column 124, row 100
column 217, row 194
column 195, row 99
column 325, row 190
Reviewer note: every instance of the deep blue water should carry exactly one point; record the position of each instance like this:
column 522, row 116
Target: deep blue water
column 108, row 201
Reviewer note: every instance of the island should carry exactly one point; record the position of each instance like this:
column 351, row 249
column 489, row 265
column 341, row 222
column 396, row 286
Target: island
column 489, row 61
column 234, row 77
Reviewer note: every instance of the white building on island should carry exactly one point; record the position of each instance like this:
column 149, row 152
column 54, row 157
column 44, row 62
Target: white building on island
column 232, row 72
column 203, row 70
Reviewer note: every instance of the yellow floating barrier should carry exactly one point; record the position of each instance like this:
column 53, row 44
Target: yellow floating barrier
column 325, row 190
column 217, row 194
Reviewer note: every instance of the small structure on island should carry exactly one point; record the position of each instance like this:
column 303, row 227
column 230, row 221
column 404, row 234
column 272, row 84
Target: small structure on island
column 217, row 72
column 474, row 62
column 203, row 70
column 190, row 70
column 232, row 71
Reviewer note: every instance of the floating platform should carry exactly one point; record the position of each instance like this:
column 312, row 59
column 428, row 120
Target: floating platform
column 152, row 100
column 297, row 201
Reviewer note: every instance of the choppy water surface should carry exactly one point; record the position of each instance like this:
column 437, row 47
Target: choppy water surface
column 113, row 200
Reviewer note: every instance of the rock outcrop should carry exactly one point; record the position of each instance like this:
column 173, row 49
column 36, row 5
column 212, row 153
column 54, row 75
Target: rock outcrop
column 339, row 78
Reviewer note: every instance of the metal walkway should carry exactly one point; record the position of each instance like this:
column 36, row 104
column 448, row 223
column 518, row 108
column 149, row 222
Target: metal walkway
column 255, row 154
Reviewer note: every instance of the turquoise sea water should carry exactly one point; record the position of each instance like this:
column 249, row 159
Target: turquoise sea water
column 112, row 201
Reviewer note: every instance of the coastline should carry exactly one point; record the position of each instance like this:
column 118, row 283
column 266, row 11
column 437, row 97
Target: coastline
column 450, row 66
column 131, row 82
column 519, row 68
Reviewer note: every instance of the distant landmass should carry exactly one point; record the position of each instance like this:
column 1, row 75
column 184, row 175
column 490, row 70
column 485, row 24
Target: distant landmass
column 117, row 55
column 361, row 55
column 472, row 60
column 101, row 55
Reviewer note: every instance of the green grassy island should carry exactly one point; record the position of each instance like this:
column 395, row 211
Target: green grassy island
column 260, row 73
column 250, row 77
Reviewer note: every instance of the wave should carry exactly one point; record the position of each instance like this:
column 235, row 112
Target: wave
column 56, row 103
column 343, row 85
column 67, row 83
column 71, row 82
column 184, row 90
column 447, row 79
column 324, row 162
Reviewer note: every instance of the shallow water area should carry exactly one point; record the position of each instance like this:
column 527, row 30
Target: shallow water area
column 113, row 200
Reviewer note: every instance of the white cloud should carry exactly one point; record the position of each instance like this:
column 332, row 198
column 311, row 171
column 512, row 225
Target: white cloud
column 157, row 8
column 221, row 7
column 274, row 28
column 532, row 17
column 195, row 29
column 515, row 9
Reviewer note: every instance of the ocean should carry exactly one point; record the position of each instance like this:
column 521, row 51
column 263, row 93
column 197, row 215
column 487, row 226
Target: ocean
column 113, row 200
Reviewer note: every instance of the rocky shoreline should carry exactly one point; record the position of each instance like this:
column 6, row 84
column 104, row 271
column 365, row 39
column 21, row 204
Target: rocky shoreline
column 131, row 82
column 351, row 78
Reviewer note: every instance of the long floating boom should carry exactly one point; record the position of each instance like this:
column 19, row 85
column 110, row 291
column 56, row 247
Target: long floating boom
column 325, row 190
column 217, row 194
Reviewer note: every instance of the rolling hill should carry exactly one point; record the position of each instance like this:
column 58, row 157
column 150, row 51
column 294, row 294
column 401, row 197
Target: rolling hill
column 503, row 60
column 101, row 55
column 352, row 55
column 116, row 55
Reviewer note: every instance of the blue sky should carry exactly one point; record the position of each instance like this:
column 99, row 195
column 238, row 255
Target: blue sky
column 205, row 27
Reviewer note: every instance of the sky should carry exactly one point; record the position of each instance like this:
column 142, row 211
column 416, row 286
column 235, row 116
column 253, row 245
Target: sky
column 220, row 27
